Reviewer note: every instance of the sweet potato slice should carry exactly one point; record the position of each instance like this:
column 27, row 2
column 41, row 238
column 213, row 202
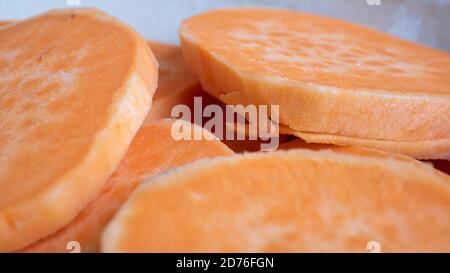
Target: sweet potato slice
column 301, row 144
column 176, row 85
column 427, row 149
column 329, row 77
column 75, row 87
column 152, row 151
column 5, row 23
column 290, row 201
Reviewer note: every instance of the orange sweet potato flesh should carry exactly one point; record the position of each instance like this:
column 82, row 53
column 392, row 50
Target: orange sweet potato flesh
column 4, row 23
column 330, row 78
column 427, row 149
column 246, row 144
column 441, row 165
column 290, row 201
column 301, row 144
column 76, row 86
column 176, row 85
column 152, row 151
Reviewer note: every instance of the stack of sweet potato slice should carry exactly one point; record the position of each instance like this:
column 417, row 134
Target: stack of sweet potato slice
column 88, row 155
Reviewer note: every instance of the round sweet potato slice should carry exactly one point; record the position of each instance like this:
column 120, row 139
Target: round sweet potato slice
column 176, row 84
column 289, row 201
column 152, row 151
column 75, row 87
column 329, row 77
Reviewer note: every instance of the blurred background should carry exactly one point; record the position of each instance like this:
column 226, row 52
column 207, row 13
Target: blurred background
column 423, row 21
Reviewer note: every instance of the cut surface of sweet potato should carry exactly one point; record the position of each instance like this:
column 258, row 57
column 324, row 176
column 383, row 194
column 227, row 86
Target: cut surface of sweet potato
column 289, row 201
column 328, row 77
column 176, row 83
column 4, row 23
column 152, row 151
column 301, row 144
column 427, row 149
column 75, row 87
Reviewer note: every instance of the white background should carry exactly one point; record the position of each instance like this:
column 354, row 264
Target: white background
column 425, row 21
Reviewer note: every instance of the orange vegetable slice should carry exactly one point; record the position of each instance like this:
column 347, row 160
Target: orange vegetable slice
column 176, row 85
column 152, row 151
column 5, row 23
column 329, row 77
column 427, row 149
column 288, row 201
column 301, row 144
column 76, row 86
